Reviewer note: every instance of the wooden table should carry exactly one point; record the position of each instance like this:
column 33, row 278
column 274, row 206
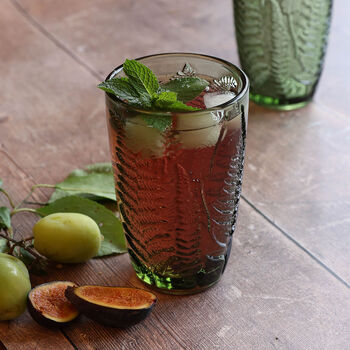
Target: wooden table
column 287, row 283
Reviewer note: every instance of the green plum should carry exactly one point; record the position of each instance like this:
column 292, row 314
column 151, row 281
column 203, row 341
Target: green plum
column 67, row 237
column 14, row 287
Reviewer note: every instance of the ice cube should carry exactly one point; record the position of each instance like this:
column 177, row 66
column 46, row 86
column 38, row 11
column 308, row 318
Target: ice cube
column 143, row 139
column 199, row 138
column 213, row 99
column 197, row 130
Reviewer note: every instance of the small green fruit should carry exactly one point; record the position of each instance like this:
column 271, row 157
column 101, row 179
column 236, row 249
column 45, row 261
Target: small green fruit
column 14, row 287
column 67, row 237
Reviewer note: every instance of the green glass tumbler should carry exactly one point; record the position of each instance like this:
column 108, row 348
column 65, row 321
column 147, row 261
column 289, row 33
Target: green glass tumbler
column 178, row 189
column 281, row 45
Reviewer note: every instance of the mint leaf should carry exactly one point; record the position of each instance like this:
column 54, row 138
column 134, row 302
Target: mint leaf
column 99, row 168
column 141, row 77
column 110, row 226
column 0, row 182
column 167, row 101
column 5, row 218
column 95, row 180
column 175, row 106
column 122, row 88
column 165, row 98
column 141, row 88
column 160, row 122
column 3, row 245
column 186, row 88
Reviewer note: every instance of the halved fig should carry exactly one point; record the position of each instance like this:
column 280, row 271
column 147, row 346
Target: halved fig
column 49, row 306
column 112, row 306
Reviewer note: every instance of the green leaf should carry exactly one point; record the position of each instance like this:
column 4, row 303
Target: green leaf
column 160, row 122
column 165, row 98
column 175, row 106
column 99, row 168
column 111, row 228
column 37, row 267
column 23, row 255
column 0, row 182
column 186, row 88
column 122, row 88
column 141, row 87
column 3, row 245
column 5, row 218
column 96, row 180
column 141, row 77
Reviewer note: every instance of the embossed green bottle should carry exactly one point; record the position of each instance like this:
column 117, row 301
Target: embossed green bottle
column 281, row 46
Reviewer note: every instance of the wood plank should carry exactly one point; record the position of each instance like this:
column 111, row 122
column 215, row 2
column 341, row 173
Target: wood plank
column 24, row 334
column 56, row 114
column 333, row 90
column 130, row 29
column 297, row 173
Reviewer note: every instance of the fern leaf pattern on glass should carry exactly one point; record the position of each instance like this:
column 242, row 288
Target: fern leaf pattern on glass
column 224, row 208
column 282, row 44
column 250, row 23
column 312, row 32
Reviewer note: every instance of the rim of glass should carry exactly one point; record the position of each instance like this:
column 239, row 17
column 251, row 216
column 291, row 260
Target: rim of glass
column 231, row 66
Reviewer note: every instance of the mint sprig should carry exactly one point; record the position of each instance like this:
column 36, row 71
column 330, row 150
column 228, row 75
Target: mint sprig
column 168, row 101
column 187, row 88
column 141, row 89
column 123, row 89
column 141, row 77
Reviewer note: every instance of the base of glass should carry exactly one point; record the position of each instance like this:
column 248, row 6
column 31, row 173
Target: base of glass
column 196, row 283
column 195, row 290
column 278, row 103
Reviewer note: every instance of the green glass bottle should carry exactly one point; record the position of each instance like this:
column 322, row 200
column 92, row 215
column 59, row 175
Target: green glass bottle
column 281, row 45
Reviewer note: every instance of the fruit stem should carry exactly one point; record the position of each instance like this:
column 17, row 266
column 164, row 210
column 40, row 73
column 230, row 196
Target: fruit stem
column 31, row 192
column 21, row 244
column 9, row 238
column 80, row 190
column 8, row 197
column 30, row 210
column 35, row 203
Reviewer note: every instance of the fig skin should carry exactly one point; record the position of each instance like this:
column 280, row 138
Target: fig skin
column 43, row 319
column 110, row 316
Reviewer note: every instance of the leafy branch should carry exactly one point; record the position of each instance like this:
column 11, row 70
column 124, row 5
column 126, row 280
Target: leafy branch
column 97, row 182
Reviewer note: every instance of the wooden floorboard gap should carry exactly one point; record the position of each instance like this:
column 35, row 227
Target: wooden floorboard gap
column 67, row 337
column 56, row 41
column 287, row 235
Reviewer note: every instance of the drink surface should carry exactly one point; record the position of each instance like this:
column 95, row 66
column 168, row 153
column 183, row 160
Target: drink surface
column 178, row 194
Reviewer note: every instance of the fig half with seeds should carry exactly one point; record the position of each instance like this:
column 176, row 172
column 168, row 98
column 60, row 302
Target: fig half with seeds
column 112, row 306
column 49, row 306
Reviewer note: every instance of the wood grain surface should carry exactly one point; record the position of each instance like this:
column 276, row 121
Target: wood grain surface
column 297, row 179
column 288, row 280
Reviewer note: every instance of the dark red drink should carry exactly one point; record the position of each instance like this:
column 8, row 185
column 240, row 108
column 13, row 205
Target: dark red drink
column 178, row 190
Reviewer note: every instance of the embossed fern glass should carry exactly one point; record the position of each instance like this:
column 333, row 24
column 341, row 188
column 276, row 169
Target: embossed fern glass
column 178, row 190
column 281, row 46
